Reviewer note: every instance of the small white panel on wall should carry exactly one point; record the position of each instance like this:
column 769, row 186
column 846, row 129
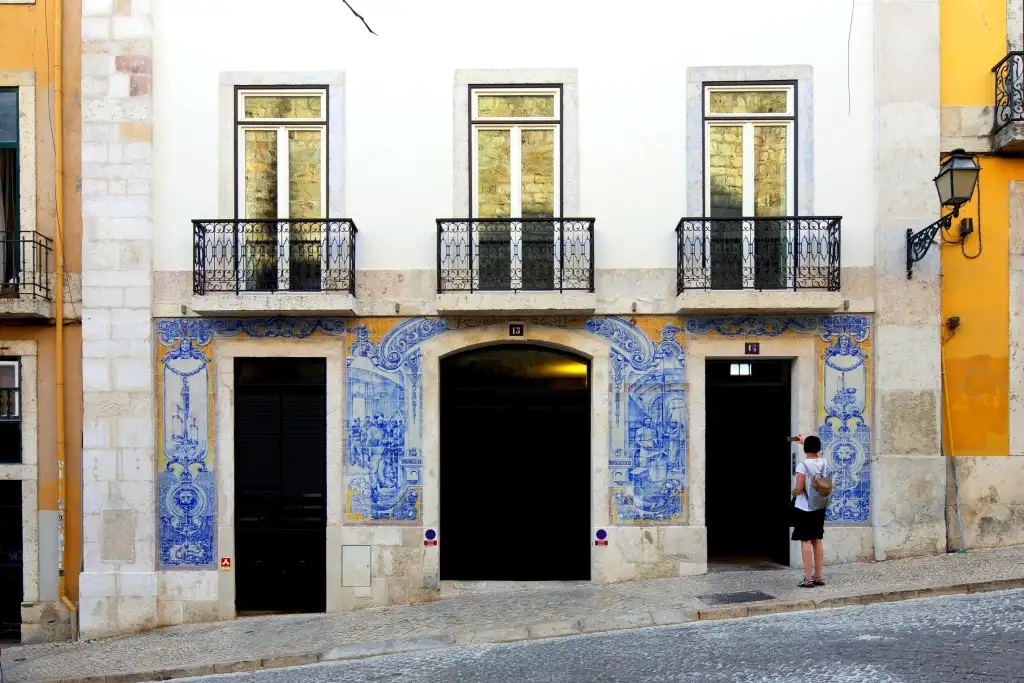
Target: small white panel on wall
column 355, row 565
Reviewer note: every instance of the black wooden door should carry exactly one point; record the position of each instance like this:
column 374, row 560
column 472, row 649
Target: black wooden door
column 11, row 560
column 280, row 485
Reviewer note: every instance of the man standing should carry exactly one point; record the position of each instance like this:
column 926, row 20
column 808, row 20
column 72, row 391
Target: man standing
column 809, row 516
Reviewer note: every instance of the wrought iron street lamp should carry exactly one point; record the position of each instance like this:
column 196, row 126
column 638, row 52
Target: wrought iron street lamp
column 955, row 184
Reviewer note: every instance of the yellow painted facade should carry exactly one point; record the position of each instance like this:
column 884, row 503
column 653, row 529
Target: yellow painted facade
column 975, row 275
column 27, row 43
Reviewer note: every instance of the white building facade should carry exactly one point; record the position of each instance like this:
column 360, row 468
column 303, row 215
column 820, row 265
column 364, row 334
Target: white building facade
column 303, row 242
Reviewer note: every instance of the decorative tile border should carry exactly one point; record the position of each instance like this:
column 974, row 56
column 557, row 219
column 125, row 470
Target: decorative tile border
column 844, row 396
column 384, row 411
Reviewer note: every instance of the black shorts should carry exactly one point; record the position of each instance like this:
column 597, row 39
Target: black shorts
column 808, row 526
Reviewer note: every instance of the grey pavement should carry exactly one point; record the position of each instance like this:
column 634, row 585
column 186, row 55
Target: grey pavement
column 931, row 640
column 266, row 642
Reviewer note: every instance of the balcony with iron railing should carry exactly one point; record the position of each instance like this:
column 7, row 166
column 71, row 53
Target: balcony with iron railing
column 1008, row 126
column 758, row 264
column 25, row 264
column 515, row 265
column 274, row 265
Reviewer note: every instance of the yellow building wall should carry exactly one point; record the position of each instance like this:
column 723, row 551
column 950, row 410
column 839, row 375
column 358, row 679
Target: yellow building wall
column 27, row 43
column 976, row 358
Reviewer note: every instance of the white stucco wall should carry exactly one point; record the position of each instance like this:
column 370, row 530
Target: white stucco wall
column 398, row 143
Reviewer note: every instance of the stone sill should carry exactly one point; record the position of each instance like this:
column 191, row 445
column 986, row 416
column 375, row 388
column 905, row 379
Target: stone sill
column 517, row 303
column 280, row 303
column 1010, row 140
column 28, row 307
column 720, row 301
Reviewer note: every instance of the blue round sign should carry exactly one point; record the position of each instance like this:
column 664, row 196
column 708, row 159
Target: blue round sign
column 430, row 535
column 601, row 534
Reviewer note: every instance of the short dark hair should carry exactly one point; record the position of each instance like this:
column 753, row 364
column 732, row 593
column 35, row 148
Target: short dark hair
column 812, row 444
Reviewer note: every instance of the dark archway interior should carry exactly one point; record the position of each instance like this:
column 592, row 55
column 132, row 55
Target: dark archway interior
column 280, row 484
column 515, row 465
column 748, row 460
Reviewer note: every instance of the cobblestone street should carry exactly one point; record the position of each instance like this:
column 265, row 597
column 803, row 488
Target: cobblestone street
column 934, row 640
column 277, row 642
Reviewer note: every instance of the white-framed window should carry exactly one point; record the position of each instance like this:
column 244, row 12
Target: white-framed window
column 10, row 190
column 10, row 411
column 750, row 177
column 282, row 187
column 515, row 173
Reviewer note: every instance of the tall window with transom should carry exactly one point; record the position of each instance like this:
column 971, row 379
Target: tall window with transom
column 749, row 183
column 282, row 188
column 515, row 179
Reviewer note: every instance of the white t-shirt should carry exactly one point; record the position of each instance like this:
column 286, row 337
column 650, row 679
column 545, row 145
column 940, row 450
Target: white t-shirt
column 810, row 468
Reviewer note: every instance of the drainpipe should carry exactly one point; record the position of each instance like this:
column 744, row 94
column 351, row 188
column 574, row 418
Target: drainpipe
column 58, row 132
column 951, row 464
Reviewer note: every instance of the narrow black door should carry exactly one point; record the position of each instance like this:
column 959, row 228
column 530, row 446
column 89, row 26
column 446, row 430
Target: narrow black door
column 280, row 484
column 747, row 459
column 515, row 466
column 11, row 560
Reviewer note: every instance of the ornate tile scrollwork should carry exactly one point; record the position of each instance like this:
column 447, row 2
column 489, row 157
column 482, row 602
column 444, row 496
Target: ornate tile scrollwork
column 187, row 497
column 278, row 327
column 383, row 464
column 752, row 325
column 647, row 458
column 844, row 410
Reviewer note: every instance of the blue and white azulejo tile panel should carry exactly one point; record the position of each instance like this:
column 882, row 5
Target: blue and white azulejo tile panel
column 384, row 395
column 844, row 409
column 186, row 503
column 647, row 421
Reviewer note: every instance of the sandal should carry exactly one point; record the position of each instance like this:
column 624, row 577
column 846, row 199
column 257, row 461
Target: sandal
column 806, row 583
column 819, row 581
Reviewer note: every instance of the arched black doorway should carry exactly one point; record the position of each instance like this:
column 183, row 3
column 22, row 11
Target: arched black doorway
column 515, row 465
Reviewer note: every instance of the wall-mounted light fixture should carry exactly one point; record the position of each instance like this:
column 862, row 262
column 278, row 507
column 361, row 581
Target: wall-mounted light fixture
column 955, row 184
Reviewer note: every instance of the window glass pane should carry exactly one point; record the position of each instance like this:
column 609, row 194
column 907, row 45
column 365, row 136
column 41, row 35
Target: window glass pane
column 8, row 376
column 726, row 171
column 515, row 106
column 283, row 107
column 9, row 116
column 305, row 183
column 260, row 174
column 494, row 183
column 770, row 181
column 749, row 102
column 538, row 152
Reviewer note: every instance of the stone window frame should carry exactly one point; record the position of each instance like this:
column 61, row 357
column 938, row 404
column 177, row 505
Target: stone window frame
column 25, row 82
column 567, row 79
column 800, row 76
column 27, row 471
column 233, row 81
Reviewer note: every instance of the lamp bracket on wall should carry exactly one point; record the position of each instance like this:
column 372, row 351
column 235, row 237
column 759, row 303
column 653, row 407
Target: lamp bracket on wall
column 918, row 243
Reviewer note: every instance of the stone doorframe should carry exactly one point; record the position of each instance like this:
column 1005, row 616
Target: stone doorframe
column 800, row 349
column 844, row 543
column 224, row 354
column 576, row 341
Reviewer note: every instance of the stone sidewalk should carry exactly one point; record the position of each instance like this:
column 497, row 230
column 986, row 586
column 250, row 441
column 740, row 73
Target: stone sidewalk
column 269, row 642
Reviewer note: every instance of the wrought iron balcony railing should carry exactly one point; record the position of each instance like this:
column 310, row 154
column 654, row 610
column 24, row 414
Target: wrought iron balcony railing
column 515, row 254
column 25, row 265
column 274, row 255
column 758, row 253
column 1009, row 95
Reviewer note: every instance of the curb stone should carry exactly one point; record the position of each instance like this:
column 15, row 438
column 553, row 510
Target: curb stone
column 554, row 629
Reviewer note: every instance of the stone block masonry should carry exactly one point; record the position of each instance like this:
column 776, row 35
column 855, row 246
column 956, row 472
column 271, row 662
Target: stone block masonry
column 118, row 585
